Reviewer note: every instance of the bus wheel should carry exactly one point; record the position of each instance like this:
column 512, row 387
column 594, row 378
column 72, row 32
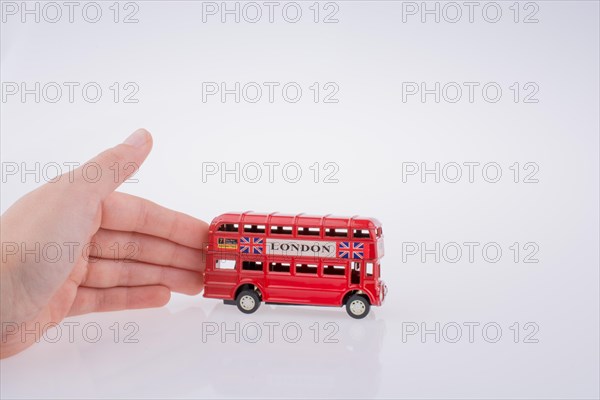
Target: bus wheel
column 357, row 306
column 247, row 301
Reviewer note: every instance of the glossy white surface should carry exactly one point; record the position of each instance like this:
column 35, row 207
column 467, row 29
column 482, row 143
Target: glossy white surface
column 182, row 351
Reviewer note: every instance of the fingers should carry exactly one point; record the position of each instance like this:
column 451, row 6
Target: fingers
column 90, row 300
column 112, row 273
column 124, row 212
column 104, row 173
column 149, row 249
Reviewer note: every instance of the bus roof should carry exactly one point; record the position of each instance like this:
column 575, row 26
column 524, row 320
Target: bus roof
column 275, row 218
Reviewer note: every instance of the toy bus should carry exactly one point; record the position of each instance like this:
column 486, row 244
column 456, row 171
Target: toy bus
column 295, row 259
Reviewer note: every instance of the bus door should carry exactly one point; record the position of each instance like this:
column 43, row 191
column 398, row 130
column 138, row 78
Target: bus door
column 355, row 272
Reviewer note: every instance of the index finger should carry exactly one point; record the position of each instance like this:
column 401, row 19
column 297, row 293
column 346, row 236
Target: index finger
column 125, row 212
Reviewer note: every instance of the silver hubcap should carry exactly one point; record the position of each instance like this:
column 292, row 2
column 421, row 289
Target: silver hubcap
column 247, row 302
column 357, row 307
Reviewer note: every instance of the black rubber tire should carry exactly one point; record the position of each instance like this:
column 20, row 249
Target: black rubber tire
column 360, row 302
column 241, row 299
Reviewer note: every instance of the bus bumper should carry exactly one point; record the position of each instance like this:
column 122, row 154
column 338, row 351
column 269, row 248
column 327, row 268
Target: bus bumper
column 382, row 291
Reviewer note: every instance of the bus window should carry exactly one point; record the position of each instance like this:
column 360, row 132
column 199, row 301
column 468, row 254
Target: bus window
column 309, row 231
column 252, row 265
column 281, row 230
column 369, row 270
column 254, row 228
column 306, row 269
column 362, row 233
column 228, row 228
column 335, row 270
column 225, row 264
column 337, row 232
column 279, row 267
column 379, row 232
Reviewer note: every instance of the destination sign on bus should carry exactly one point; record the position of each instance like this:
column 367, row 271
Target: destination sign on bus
column 308, row 248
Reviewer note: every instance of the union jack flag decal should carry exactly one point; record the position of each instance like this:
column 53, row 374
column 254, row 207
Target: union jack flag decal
column 354, row 250
column 251, row 245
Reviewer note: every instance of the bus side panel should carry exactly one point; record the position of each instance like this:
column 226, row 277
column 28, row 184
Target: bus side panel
column 371, row 290
column 219, row 283
column 280, row 287
column 332, row 287
column 308, row 289
column 286, row 288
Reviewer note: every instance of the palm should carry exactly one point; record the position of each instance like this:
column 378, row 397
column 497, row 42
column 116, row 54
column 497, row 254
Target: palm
column 140, row 253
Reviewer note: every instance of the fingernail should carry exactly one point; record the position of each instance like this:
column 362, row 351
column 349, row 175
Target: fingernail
column 137, row 138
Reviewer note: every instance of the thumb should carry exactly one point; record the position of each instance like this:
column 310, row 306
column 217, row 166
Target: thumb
column 101, row 175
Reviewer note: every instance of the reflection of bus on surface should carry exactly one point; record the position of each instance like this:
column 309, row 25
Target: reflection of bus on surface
column 295, row 259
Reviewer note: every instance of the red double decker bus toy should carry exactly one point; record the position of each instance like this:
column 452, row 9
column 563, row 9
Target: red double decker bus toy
column 295, row 259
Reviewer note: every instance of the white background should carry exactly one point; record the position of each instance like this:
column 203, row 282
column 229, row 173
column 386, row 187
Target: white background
column 369, row 133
